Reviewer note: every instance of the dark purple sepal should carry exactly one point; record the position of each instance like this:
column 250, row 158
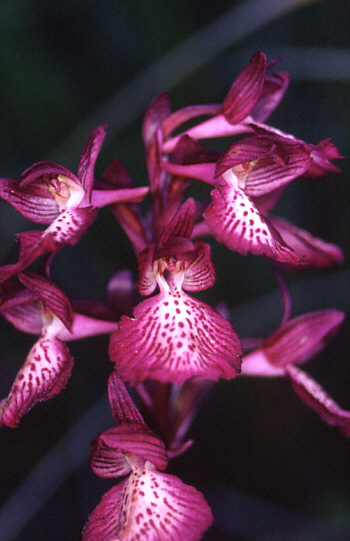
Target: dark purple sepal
column 322, row 153
column 123, row 408
column 267, row 163
column 181, row 224
column 34, row 202
column 246, row 89
column 156, row 113
column 37, row 172
column 51, row 295
column 126, row 439
column 20, row 308
column 88, row 159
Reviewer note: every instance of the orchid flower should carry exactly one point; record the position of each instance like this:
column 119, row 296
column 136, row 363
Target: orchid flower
column 173, row 336
column 148, row 504
column 249, row 179
column 47, row 193
column 294, row 343
column 253, row 96
column 39, row 307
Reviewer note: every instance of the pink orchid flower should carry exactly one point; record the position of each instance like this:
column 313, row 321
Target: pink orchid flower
column 294, row 343
column 47, row 193
column 173, row 336
column 148, row 504
column 39, row 307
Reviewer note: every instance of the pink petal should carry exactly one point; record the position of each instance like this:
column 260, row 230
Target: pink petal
column 181, row 116
column 116, row 175
column 302, row 337
column 35, row 174
column 51, row 294
column 272, row 93
column 256, row 363
column 26, row 316
column 149, row 506
column 218, row 126
column 314, row 396
column 314, row 251
column 172, row 338
column 200, row 273
column 246, row 89
column 157, row 111
column 321, row 154
column 181, row 224
column 271, row 162
column 89, row 157
column 102, row 198
column 235, row 221
column 111, row 448
column 34, row 202
column 85, row 326
column 44, row 374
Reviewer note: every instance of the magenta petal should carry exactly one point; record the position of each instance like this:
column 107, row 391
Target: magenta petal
column 181, row 224
column 44, row 374
column 246, row 89
column 272, row 93
column 85, row 326
column 157, row 111
column 271, row 162
column 172, row 338
column 34, row 173
column 300, row 338
column 34, row 202
column 102, row 198
column 149, row 506
column 314, row 251
column 314, row 396
column 26, row 316
column 51, row 294
column 257, row 364
column 89, row 157
column 108, row 462
column 235, row 221
column 147, row 280
column 200, row 273
column 128, row 439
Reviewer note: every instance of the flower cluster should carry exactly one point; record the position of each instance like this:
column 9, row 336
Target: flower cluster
column 171, row 347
